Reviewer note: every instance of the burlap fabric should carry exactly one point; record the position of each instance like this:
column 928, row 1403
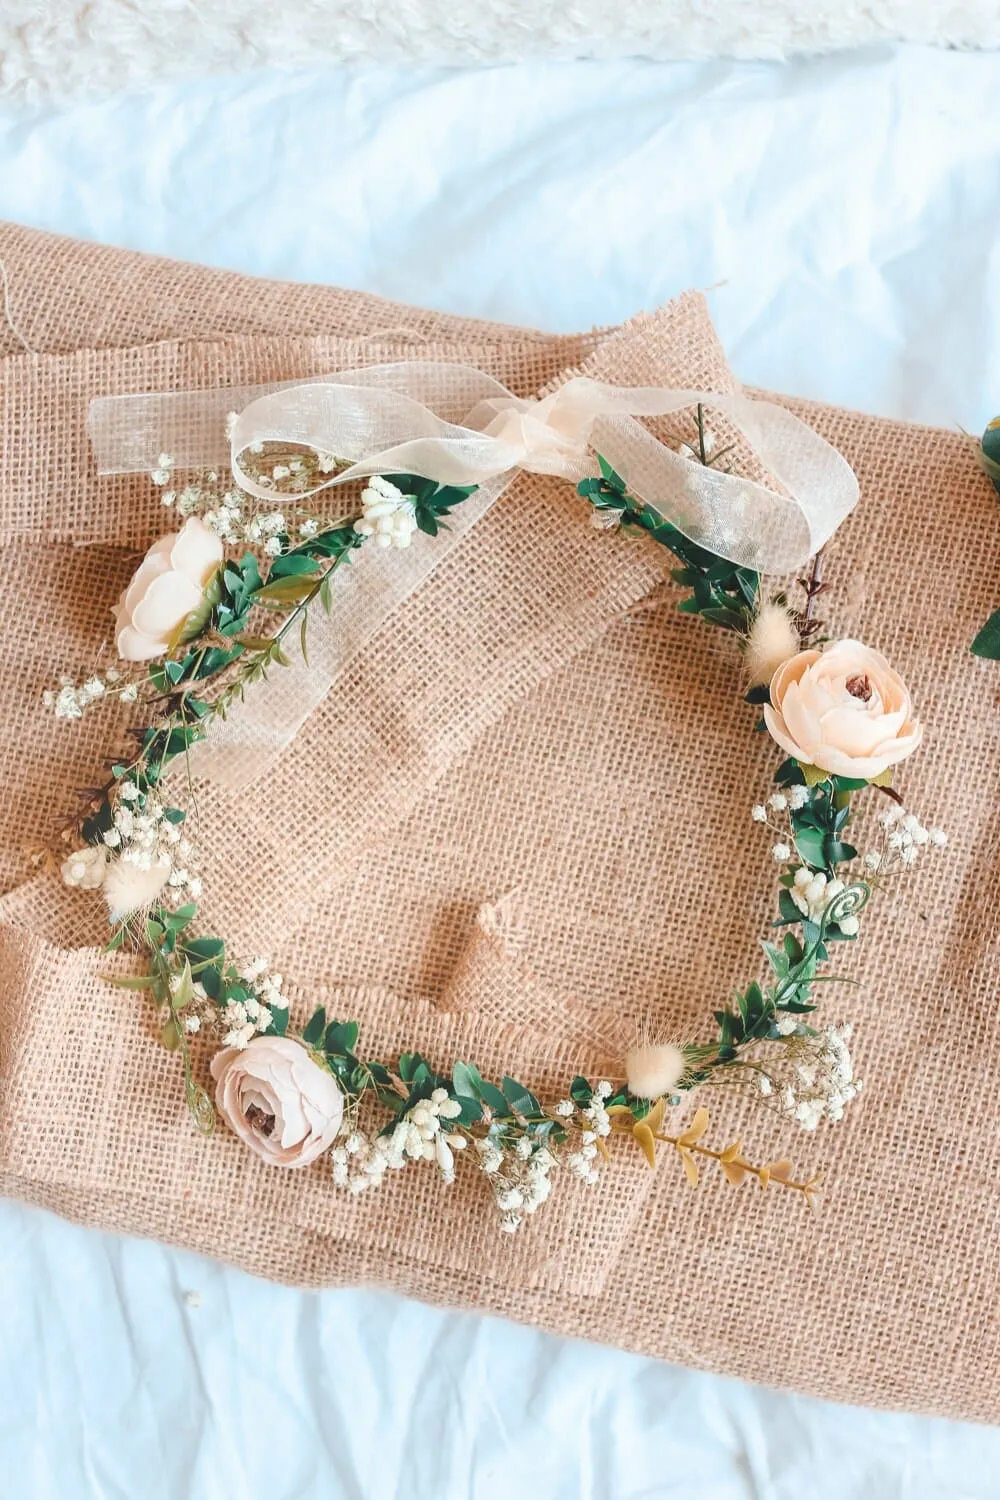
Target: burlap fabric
column 519, row 820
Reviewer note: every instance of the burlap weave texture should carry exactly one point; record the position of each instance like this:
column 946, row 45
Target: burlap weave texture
column 537, row 725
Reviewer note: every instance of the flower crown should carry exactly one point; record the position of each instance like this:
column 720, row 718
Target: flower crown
column 262, row 542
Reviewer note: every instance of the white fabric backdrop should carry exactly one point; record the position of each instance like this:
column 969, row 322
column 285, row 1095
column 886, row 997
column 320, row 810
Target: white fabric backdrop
column 849, row 207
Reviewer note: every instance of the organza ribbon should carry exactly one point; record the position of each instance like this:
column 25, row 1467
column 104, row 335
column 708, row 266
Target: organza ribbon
column 456, row 425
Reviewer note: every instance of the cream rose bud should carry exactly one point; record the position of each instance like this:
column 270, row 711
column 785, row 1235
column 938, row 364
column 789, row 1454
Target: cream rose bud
column 278, row 1100
column 171, row 596
column 843, row 710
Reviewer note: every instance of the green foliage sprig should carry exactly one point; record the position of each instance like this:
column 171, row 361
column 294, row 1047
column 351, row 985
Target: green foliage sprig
column 987, row 642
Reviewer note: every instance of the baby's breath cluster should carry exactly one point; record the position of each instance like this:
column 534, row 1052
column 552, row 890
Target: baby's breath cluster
column 70, row 701
column 423, row 1133
column 808, row 1077
column 903, row 839
column 253, row 1011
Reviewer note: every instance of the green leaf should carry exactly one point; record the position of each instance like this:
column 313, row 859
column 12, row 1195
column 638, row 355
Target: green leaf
column 777, row 958
column 176, row 921
column 286, row 590
column 838, row 853
column 183, row 994
column 729, row 619
column 987, row 642
column 315, row 1027
column 466, row 1080
column 519, row 1098
column 204, row 947
column 581, row 1092
column 789, row 773
column 787, row 909
column 130, row 981
column 341, row 1036
column 811, row 842
column 490, row 1095
column 292, row 565
column 472, row 1110
column 210, row 979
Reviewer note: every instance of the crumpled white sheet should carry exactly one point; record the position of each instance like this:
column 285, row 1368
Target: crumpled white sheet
column 849, row 207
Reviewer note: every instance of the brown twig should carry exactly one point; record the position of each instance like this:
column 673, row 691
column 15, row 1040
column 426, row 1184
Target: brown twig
column 813, row 586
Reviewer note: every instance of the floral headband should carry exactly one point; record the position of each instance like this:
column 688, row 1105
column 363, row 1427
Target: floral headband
column 265, row 542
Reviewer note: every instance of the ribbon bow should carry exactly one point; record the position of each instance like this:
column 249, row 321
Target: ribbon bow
column 453, row 424
column 456, row 425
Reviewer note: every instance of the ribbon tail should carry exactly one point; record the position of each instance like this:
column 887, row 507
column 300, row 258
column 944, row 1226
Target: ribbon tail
column 366, row 592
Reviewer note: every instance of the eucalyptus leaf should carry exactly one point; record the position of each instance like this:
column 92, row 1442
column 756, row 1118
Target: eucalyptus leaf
column 315, row 1027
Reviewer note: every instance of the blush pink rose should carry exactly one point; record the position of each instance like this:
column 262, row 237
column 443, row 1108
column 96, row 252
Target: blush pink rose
column 844, row 710
column 168, row 599
column 278, row 1100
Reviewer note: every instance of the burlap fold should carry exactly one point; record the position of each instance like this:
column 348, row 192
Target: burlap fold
column 542, row 777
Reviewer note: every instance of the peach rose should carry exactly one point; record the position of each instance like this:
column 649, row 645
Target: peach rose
column 170, row 597
column 279, row 1102
column 844, row 710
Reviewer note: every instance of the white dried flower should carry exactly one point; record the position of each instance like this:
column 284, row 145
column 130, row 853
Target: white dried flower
column 652, row 1071
column 772, row 639
column 388, row 515
column 129, row 888
column 86, row 867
